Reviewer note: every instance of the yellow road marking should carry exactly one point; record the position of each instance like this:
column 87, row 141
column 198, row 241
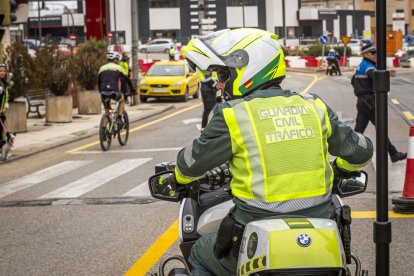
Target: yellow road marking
column 408, row 115
column 155, row 252
column 372, row 214
column 138, row 128
column 315, row 80
column 395, row 101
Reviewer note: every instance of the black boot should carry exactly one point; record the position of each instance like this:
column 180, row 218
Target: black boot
column 398, row 156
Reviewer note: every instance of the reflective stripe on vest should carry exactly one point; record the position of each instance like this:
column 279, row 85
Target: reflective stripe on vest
column 279, row 153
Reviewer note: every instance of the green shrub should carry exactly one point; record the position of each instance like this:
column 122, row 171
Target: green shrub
column 316, row 50
column 53, row 69
column 86, row 62
column 21, row 67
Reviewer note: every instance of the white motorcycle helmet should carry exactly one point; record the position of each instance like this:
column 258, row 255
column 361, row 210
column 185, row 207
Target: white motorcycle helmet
column 248, row 58
column 112, row 55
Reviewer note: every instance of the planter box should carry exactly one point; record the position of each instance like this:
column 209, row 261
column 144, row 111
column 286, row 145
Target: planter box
column 59, row 109
column 89, row 102
column 16, row 117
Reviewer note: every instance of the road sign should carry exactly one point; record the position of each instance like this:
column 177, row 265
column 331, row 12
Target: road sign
column 323, row 39
column 72, row 36
column 345, row 39
column 409, row 40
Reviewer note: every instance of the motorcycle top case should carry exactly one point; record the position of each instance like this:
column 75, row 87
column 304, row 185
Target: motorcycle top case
column 289, row 244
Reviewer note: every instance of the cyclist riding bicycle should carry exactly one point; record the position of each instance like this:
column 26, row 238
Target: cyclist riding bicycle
column 110, row 79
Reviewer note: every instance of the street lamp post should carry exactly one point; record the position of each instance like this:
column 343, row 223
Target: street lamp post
column 353, row 19
column 284, row 22
column 39, row 24
column 71, row 16
column 242, row 4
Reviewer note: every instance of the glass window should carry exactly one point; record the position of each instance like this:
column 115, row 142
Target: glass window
column 163, row 3
column 166, row 70
column 240, row 2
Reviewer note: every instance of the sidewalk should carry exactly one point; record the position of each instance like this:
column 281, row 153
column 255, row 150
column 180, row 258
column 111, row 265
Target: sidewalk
column 41, row 136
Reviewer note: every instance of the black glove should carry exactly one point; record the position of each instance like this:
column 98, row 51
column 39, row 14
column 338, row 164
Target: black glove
column 341, row 173
column 219, row 176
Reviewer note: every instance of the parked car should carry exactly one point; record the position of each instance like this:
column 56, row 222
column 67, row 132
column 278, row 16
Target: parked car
column 355, row 45
column 169, row 79
column 157, row 45
column 405, row 58
column 366, row 41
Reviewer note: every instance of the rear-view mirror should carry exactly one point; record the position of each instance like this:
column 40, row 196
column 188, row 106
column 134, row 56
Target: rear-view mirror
column 163, row 186
column 353, row 186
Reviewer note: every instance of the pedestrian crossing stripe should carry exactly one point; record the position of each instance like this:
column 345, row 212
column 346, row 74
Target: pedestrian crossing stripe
column 96, row 179
column 40, row 176
column 140, row 190
column 80, row 186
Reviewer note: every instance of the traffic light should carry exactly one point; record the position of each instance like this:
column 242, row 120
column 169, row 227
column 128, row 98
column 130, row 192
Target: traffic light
column 7, row 9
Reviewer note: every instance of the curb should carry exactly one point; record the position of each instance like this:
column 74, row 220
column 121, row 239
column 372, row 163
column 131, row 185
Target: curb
column 88, row 134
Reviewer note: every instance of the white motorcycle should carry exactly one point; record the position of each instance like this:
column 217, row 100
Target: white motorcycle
column 280, row 245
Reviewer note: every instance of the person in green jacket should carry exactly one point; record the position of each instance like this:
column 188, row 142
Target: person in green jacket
column 277, row 142
column 4, row 101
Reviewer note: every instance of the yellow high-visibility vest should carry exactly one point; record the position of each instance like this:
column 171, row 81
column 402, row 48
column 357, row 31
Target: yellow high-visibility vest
column 280, row 149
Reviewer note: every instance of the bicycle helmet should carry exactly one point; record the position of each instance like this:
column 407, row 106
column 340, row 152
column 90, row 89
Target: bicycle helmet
column 247, row 57
column 113, row 55
column 331, row 51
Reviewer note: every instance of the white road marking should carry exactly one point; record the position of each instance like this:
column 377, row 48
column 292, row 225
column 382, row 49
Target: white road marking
column 40, row 176
column 126, row 151
column 192, row 120
column 139, row 191
column 396, row 173
column 96, row 179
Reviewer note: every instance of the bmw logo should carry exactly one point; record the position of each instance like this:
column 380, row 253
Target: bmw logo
column 303, row 240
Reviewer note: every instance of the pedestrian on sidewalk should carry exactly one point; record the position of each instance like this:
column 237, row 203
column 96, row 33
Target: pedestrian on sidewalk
column 362, row 81
column 4, row 104
column 127, row 84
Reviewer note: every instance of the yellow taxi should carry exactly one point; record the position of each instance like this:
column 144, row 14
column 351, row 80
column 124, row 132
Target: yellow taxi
column 169, row 79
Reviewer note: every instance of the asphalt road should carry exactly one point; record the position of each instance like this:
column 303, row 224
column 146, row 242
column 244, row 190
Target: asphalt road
column 90, row 213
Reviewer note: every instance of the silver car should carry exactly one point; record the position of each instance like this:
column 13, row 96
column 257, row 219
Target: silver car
column 157, row 45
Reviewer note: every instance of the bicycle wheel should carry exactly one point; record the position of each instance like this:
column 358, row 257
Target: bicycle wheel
column 105, row 136
column 123, row 130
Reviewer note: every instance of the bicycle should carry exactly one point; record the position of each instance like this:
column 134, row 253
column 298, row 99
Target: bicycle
column 110, row 127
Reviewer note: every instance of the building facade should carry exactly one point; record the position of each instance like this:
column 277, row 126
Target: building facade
column 400, row 13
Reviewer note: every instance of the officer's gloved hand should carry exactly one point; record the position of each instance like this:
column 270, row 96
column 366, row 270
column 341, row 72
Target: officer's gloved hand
column 219, row 176
column 341, row 173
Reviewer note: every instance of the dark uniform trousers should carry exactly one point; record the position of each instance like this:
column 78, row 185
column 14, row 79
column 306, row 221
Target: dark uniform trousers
column 366, row 113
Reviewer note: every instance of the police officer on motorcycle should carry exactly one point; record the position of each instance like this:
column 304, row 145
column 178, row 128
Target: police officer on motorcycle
column 277, row 142
column 332, row 58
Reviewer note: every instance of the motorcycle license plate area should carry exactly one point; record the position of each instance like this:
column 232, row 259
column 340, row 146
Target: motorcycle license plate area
column 286, row 244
